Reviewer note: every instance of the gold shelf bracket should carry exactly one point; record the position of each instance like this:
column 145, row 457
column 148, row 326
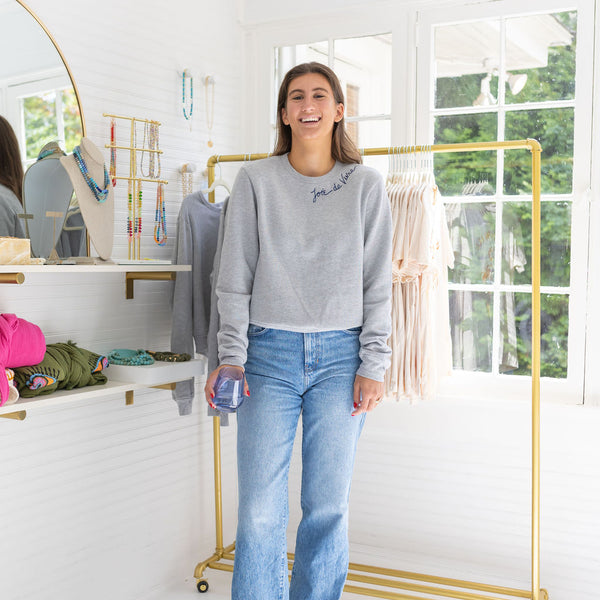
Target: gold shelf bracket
column 130, row 277
column 17, row 416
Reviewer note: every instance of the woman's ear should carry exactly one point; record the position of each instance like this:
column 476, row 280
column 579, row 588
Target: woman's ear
column 284, row 117
column 339, row 113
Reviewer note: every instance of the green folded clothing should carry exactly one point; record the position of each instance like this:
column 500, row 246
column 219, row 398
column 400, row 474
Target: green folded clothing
column 65, row 366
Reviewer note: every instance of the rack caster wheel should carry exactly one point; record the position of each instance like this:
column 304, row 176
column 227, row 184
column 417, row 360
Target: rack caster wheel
column 202, row 586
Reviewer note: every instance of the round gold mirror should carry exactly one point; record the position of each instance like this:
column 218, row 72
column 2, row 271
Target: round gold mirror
column 40, row 100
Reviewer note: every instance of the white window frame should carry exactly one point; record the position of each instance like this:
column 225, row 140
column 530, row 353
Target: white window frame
column 570, row 389
column 411, row 124
column 356, row 22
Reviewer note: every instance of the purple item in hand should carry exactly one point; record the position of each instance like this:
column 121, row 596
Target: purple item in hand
column 229, row 389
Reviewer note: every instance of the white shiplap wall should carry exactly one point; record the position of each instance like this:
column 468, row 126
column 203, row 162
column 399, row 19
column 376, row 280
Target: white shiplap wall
column 100, row 500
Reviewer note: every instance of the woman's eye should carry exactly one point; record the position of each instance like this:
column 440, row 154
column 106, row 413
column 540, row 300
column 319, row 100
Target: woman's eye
column 296, row 97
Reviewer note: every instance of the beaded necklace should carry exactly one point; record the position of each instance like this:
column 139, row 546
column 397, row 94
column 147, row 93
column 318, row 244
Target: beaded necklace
column 151, row 134
column 183, row 98
column 113, row 152
column 99, row 193
column 160, row 219
column 138, row 216
column 210, row 106
column 123, row 356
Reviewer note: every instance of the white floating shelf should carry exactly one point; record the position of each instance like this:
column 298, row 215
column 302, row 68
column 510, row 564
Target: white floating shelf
column 121, row 379
column 158, row 373
column 136, row 268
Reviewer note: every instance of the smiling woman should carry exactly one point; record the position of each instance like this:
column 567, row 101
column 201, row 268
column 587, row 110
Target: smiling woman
column 38, row 97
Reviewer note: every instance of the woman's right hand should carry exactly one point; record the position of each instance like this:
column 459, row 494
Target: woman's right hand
column 209, row 392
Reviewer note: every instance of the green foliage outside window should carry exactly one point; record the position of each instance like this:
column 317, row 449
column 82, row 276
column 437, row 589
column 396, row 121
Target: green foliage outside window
column 554, row 128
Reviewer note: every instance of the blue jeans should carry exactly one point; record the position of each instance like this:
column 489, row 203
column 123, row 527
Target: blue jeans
column 289, row 374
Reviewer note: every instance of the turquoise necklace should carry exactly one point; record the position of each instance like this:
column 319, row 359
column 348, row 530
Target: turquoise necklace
column 99, row 193
column 129, row 357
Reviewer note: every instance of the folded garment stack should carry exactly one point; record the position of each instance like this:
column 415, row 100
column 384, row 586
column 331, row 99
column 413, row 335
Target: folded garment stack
column 65, row 366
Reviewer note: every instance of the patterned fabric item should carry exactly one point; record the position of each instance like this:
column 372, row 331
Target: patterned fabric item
column 65, row 366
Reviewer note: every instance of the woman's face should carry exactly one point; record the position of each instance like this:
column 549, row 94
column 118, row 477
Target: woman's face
column 311, row 109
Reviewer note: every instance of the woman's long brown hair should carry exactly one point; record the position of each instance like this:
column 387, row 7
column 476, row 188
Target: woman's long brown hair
column 11, row 168
column 342, row 147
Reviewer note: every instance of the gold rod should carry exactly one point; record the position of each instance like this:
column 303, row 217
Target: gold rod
column 218, row 495
column 131, row 119
column 151, row 275
column 143, row 179
column 535, row 372
column 463, row 147
column 17, row 416
column 132, row 148
column 17, row 278
column 354, row 589
column 535, row 148
column 418, row 588
column 482, row 587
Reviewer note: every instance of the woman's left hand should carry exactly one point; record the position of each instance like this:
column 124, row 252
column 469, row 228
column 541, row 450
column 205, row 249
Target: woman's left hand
column 368, row 393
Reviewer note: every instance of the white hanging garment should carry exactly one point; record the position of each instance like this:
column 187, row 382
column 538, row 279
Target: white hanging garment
column 422, row 253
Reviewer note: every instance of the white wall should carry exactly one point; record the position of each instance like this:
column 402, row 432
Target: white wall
column 101, row 500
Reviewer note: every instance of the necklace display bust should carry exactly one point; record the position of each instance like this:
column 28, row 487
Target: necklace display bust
column 94, row 193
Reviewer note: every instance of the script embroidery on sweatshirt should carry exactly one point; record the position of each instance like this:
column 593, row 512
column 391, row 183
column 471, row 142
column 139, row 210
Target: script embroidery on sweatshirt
column 337, row 185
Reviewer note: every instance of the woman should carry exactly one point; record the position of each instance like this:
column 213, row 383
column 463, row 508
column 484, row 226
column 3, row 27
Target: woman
column 11, row 182
column 304, row 290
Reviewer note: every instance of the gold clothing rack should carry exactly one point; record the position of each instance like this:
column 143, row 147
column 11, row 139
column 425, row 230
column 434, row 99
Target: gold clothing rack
column 134, row 180
column 393, row 578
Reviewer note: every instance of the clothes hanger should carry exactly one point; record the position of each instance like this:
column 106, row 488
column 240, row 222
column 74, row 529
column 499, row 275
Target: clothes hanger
column 219, row 181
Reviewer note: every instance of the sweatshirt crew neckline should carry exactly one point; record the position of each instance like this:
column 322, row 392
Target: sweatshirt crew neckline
column 308, row 178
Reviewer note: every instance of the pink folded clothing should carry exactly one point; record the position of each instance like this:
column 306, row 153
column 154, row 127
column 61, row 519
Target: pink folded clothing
column 21, row 344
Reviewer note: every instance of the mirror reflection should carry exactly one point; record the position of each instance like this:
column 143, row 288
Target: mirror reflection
column 39, row 104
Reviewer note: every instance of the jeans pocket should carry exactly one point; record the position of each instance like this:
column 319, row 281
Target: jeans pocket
column 353, row 330
column 254, row 330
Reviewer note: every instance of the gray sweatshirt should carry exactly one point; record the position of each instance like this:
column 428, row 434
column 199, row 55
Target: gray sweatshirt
column 10, row 207
column 307, row 254
column 196, row 242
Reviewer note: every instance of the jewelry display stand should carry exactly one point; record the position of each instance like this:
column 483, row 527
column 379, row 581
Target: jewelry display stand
column 135, row 179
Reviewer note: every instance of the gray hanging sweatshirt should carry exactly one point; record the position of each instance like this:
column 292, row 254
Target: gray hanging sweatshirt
column 307, row 254
column 196, row 243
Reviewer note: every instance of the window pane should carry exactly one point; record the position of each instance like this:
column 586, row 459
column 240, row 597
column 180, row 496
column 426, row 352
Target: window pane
column 464, row 54
column 556, row 236
column 553, row 128
column 471, row 330
column 472, row 233
column 371, row 134
column 454, row 171
column 546, row 69
column 39, row 117
column 287, row 57
column 364, row 65
column 71, row 118
column 554, row 329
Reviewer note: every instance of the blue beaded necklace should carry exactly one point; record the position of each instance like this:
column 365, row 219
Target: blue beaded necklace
column 99, row 193
column 184, row 102
column 124, row 356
